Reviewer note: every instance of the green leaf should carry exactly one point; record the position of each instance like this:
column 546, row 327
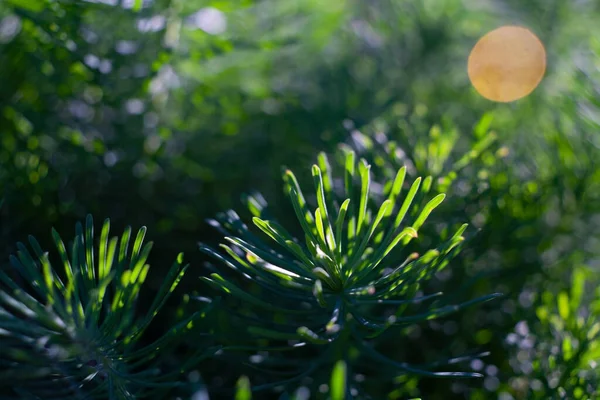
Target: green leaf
column 349, row 165
column 104, row 264
column 364, row 170
column 323, row 218
column 318, row 293
column 243, row 389
column 358, row 252
column 483, row 125
column 66, row 264
column 406, row 232
column 370, row 352
column 169, row 284
column 563, row 305
column 89, row 248
column 31, row 5
column 26, row 265
column 137, row 245
column 567, row 348
column 326, row 172
column 268, row 255
column 542, row 313
column 396, row 188
column 220, row 283
column 577, row 288
column 349, row 173
column 281, row 236
column 123, row 249
column 445, row 310
column 429, row 207
column 339, row 225
column 407, row 202
column 137, row 5
column 338, row 381
column 311, row 336
column 321, row 230
column 302, row 213
column 48, row 279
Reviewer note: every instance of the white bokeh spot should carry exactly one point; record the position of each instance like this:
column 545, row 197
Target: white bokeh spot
column 210, row 20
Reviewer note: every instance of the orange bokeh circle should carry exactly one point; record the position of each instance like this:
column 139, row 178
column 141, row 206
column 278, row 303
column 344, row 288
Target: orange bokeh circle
column 507, row 64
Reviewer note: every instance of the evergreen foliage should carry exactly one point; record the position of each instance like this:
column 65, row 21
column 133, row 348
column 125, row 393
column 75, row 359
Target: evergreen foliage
column 76, row 331
column 441, row 246
column 344, row 284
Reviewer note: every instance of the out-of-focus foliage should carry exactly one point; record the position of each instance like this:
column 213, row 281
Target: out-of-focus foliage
column 162, row 112
column 155, row 109
column 557, row 355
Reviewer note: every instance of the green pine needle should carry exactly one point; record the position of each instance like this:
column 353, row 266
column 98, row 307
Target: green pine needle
column 338, row 280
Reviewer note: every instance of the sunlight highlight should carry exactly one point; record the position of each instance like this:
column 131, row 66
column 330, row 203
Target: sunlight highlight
column 507, row 64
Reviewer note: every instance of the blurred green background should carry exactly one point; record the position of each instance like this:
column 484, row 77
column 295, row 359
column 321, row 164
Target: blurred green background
column 164, row 112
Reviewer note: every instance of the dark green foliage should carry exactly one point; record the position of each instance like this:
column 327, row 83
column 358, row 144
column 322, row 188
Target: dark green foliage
column 346, row 274
column 162, row 112
column 459, row 165
column 556, row 357
column 76, row 331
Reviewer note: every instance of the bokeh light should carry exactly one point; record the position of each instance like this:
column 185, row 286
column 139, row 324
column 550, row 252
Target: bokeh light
column 507, row 64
